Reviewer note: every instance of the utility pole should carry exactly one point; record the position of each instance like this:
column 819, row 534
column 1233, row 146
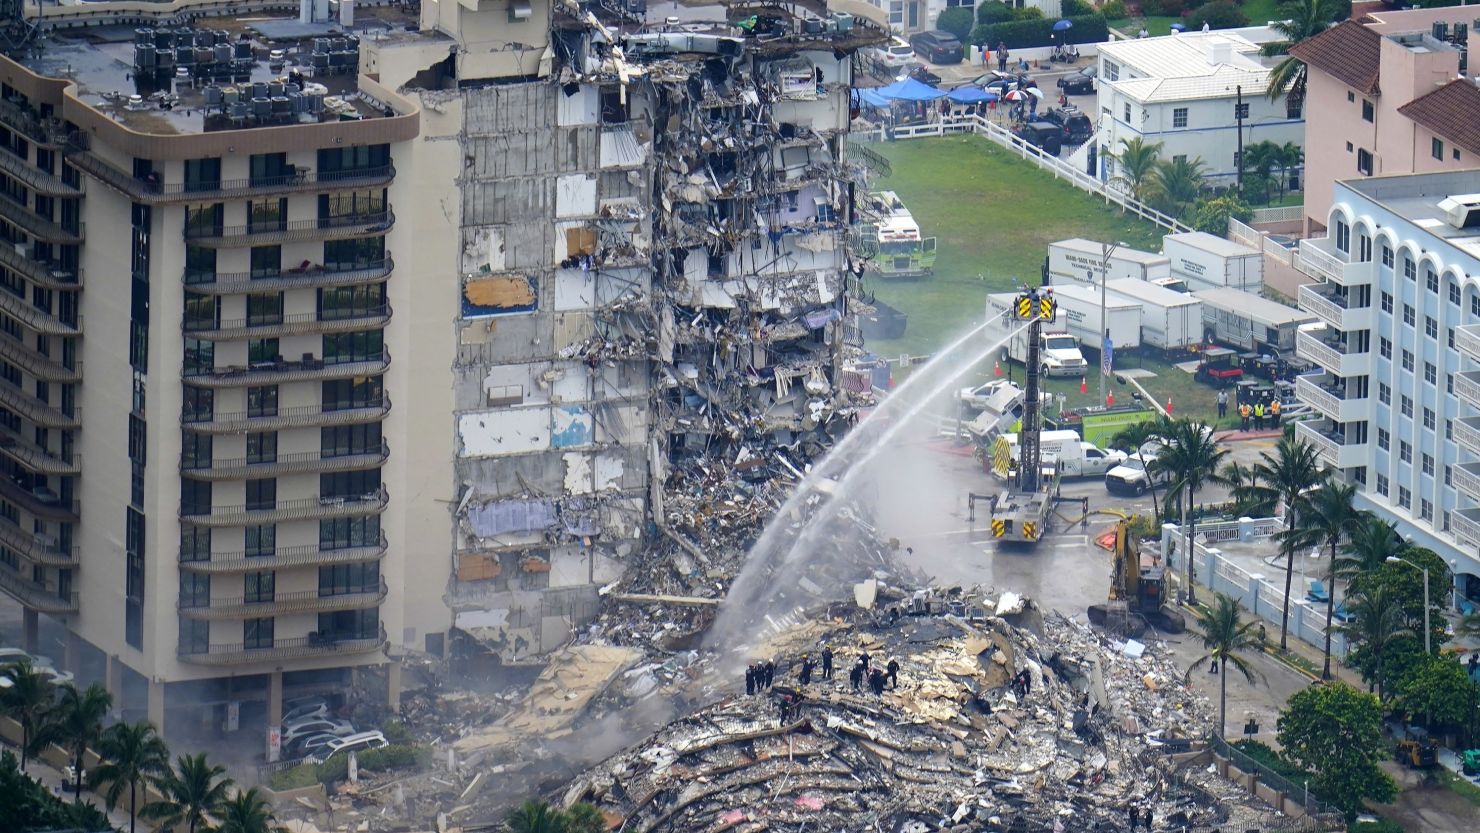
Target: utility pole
column 1106, row 250
column 1238, row 114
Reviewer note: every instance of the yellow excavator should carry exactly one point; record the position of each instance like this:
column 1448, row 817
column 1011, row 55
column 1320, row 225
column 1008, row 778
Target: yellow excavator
column 1138, row 591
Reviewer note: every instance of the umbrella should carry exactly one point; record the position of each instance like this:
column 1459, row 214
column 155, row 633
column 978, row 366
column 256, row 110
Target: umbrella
column 1034, row 91
column 1015, row 95
column 1179, row 27
column 1063, row 25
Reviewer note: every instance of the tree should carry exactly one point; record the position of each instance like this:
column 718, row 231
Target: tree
column 78, row 724
column 539, row 817
column 132, row 754
column 993, row 11
column 1132, row 438
column 1211, row 214
column 1328, row 517
column 1134, row 164
column 1301, row 20
column 1406, row 584
column 584, row 818
column 28, row 701
column 1220, row 14
column 1290, row 156
column 1250, row 499
column 247, row 812
column 26, row 804
column 1191, row 456
column 1225, row 635
column 1286, row 475
column 192, row 790
column 956, row 20
column 1380, row 623
column 1258, row 163
column 1368, row 545
column 1175, row 184
column 1441, row 690
column 1335, row 731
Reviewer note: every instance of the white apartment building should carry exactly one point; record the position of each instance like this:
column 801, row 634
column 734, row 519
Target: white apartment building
column 1193, row 93
column 1399, row 293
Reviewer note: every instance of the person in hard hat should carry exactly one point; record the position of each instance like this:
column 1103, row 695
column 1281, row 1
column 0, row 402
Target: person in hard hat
column 1244, row 412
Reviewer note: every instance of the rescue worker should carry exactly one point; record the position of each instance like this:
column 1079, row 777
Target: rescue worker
column 750, row 679
column 770, row 672
column 893, row 673
column 1274, row 413
column 1222, row 404
column 827, row 667
column 806, row 675
column 1244, row 412
column 1259, row 416
column 876, row 682
column 863, row 658
column 856, row 676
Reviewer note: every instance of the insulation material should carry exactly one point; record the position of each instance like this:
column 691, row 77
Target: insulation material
column 484, row 251
column 499, row 296
column 579, row 108
column 478, row 567
column 620, row 149
column 575, row 195
column 503, row 517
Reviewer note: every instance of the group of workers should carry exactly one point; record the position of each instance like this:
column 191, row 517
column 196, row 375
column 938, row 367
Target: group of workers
column 761, row 675
column 1259, row 415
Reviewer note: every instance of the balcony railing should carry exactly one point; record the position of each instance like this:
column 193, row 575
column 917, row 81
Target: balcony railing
column 23, row 450
column 1465, row 523
column 303, row 601
column 48, row 274
column 290, row 510
column 308, row 369
column 297, row 463
column 1467, row 341
column 1467, row 433
column 308, row 555
column 40, row 227
column 38, row 320
column 268, row 326
column 307, row 416
column 1331, row 444
column 35, row 547
column 1467, row 387
column 1466, row 478
column 42, row 367
column 151, row 190
column 41, row 597
column 46, row 506
column 1332, row 355
column 305, row 647
column 35, row 410
column 1327, row 394
column 266, row 232
column 34, row 178
column 1334, row 309
column 304, row 277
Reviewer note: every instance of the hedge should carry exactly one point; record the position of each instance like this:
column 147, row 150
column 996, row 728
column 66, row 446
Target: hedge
column 395, row 756
column 1024, row 34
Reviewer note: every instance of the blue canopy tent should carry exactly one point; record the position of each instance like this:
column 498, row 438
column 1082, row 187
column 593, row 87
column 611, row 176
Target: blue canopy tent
column 970, row 94
column 871, row 99
column 909, row 90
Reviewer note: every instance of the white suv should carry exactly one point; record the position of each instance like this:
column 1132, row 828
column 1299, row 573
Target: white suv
column 351, row 743
column 897, row 54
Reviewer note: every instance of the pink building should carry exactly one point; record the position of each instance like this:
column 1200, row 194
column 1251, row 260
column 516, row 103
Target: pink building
column 1383, row 97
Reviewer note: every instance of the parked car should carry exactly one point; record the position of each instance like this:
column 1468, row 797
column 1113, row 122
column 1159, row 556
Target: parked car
column 1079, row 83
column 310, row 745
column 921, row 73
column 1130, row 477
column 1043, row 134
column 352, row 743
column 897, row 54
column 312, row 708
column 1002, row 83
column 1076, row 125
column 302, row 729
column 938, row 47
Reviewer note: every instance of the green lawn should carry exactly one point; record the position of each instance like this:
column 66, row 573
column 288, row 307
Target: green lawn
column 1258, row 12
column 993, row 216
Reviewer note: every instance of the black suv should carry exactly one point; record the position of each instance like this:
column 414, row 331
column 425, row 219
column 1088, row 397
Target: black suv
column 1075, row 124
column 938, row 47
column 1045, row 134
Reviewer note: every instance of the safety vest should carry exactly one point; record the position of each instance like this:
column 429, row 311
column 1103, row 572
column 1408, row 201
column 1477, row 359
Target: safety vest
column 1274, row 407
column 1259, row 410
column 1243, row 410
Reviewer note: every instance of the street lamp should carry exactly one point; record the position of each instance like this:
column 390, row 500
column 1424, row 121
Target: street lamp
column 1428, row 634
column 1106, row 250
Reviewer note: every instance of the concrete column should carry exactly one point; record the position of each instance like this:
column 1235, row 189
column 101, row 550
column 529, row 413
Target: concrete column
column 275, row 698
column 156, row 705
column 30, row 629
column 393, row 685
column 72, row 656
column 113, row 680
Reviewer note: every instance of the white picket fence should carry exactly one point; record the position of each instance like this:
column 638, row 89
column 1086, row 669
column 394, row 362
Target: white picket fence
column 981, row 126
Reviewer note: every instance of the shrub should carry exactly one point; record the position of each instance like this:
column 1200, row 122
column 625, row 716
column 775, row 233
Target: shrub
column 993, row 11
column 1027, row 13
column 1076, row 8
column 956, row 20
column 1379, row 826
column 1162, row 8
column 395, row 756
column 1113, row 10
column 1221, row 14
column 1022, row 34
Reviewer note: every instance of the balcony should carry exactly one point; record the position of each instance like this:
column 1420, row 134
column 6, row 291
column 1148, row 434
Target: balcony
column 1467, row 433
column 1331, row 444
column 1332, row 355
column 308, row 369
column 305, row 277
column 306, row 647
column 312, row 508
column 35, row 547
column 42, row 367
column 19, row 115
column 22, row 450
column 307, row 323
column 308, row 555
column 303, row 601
column 1327, row 394
column 156, row 192
column 48, row 274
column 37, row 319
column 40, row 503
column 1320, row 260
column 34, row 409
column 1467, row 341
column 34, row 178
column 1467, row 387
column 39, row 597
column 309, row 416
column 38, row 227
column 1466, row 478
column 267, row 233
column 1319, row 300
column 302, row 463
column 1465, row 523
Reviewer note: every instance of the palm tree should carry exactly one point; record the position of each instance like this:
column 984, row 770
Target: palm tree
column 1192, row 456
column 1225, row 635
column 1260, row 159
column 534, row 817
column 28, row 701
column 193, row 790
column 1133, row 437
column 1327, row 518
column 1175, row 185
column 1302, row 19
column 132, row 754
column 79, row 724
column 1294, row 468
column 1290, row 156
column 247, row 812
column 1367, row 547
column 1134, row 163
column 1380, row 621
column 1243, row 483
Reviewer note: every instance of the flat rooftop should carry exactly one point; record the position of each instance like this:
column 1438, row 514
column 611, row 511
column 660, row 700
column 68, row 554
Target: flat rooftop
column 1416, row 198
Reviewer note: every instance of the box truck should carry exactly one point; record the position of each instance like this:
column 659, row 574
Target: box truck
column 1079, row 314
column 1208, row 262
column 1169, row 320
column 1249, row 323
column 1059, row 351
column 1079, row 261
column 1074, row 456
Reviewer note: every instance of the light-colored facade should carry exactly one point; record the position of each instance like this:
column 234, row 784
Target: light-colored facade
column 1185, row 92
column 1400, row 386
column 1358, row 90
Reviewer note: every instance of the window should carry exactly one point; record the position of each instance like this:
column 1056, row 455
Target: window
column 1453, row 294
column 1343, row 237
column 1349, row 147
column 263, row 351
column 1448, row 430
column 357, row 253
column 261, row 540
column 1292, row 107
column 259, row 587
column 203, row 174
column 345, row 440
column 351, row 301
column 1351, row 96
column 1428, row 418
column 1364, row 161
column 200, row 356
column 1385, row 347
column 195, row 543
column 1408, row 361
column 203, row 220
column 362, row 346
column 262, row 401
column 201, row 312
column 1241, row 111
column 195, row 497
column 1410, row 270
column 1436, row 147
column 1387, row 256
column 200, row 264
column 1384, row 393
column 369, row 158
column 268, row 169
column 1405, row 497
column 1112, row 71
column 257, row 633
column 1448, row 475
column 264, row 309
column 1383, row 439
column 1427, row 463
column 1180, row 158
column 262, row 494
column 1369, row 113
column 1382, row 484
column 1364, row 247
column 343, row 533
column 1430, row 373
column 269, row 214
column 262, row 447
column 352, row 203
column 1387, row 302
column 350, row 624
column 195, row 450
column 1405, row 451
column 1406, row 406
column 266, row 261
column 1431, row 280
column 340, row 579
column 1425, row 510
column 1127, row 112
column 195, row 589
column 359, row 392
column 1179, row 117
column 350, row 485
column 195, row 636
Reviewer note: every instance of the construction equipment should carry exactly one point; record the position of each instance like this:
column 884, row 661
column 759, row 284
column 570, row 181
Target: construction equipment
column 1418, row 752
column 1469, row 761
column 1218, row 366
column 1138, row 591
column 1021, row 515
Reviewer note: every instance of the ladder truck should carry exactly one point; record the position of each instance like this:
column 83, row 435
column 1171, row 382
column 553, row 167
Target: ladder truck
column 1021, row 514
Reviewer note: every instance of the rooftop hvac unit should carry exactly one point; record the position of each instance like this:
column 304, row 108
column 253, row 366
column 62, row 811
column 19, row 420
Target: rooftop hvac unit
column 1462, row 211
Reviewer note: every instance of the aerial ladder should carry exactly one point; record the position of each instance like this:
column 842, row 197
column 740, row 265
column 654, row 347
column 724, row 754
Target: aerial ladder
column 1021, row 514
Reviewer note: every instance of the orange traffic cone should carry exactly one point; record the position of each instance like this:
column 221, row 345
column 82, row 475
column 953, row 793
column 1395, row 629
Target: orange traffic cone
column 1169, row 406
column 997, row 368
column 1110, row 399
column 1083, row 386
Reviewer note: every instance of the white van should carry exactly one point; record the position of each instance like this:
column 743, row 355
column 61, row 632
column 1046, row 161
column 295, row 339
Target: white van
column 358, row 742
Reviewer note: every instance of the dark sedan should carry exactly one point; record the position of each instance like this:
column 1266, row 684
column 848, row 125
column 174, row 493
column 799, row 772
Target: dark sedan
column 1079, row 83
column 938, row 47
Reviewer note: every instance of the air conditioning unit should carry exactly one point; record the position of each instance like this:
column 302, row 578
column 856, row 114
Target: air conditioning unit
column 1462, row 211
